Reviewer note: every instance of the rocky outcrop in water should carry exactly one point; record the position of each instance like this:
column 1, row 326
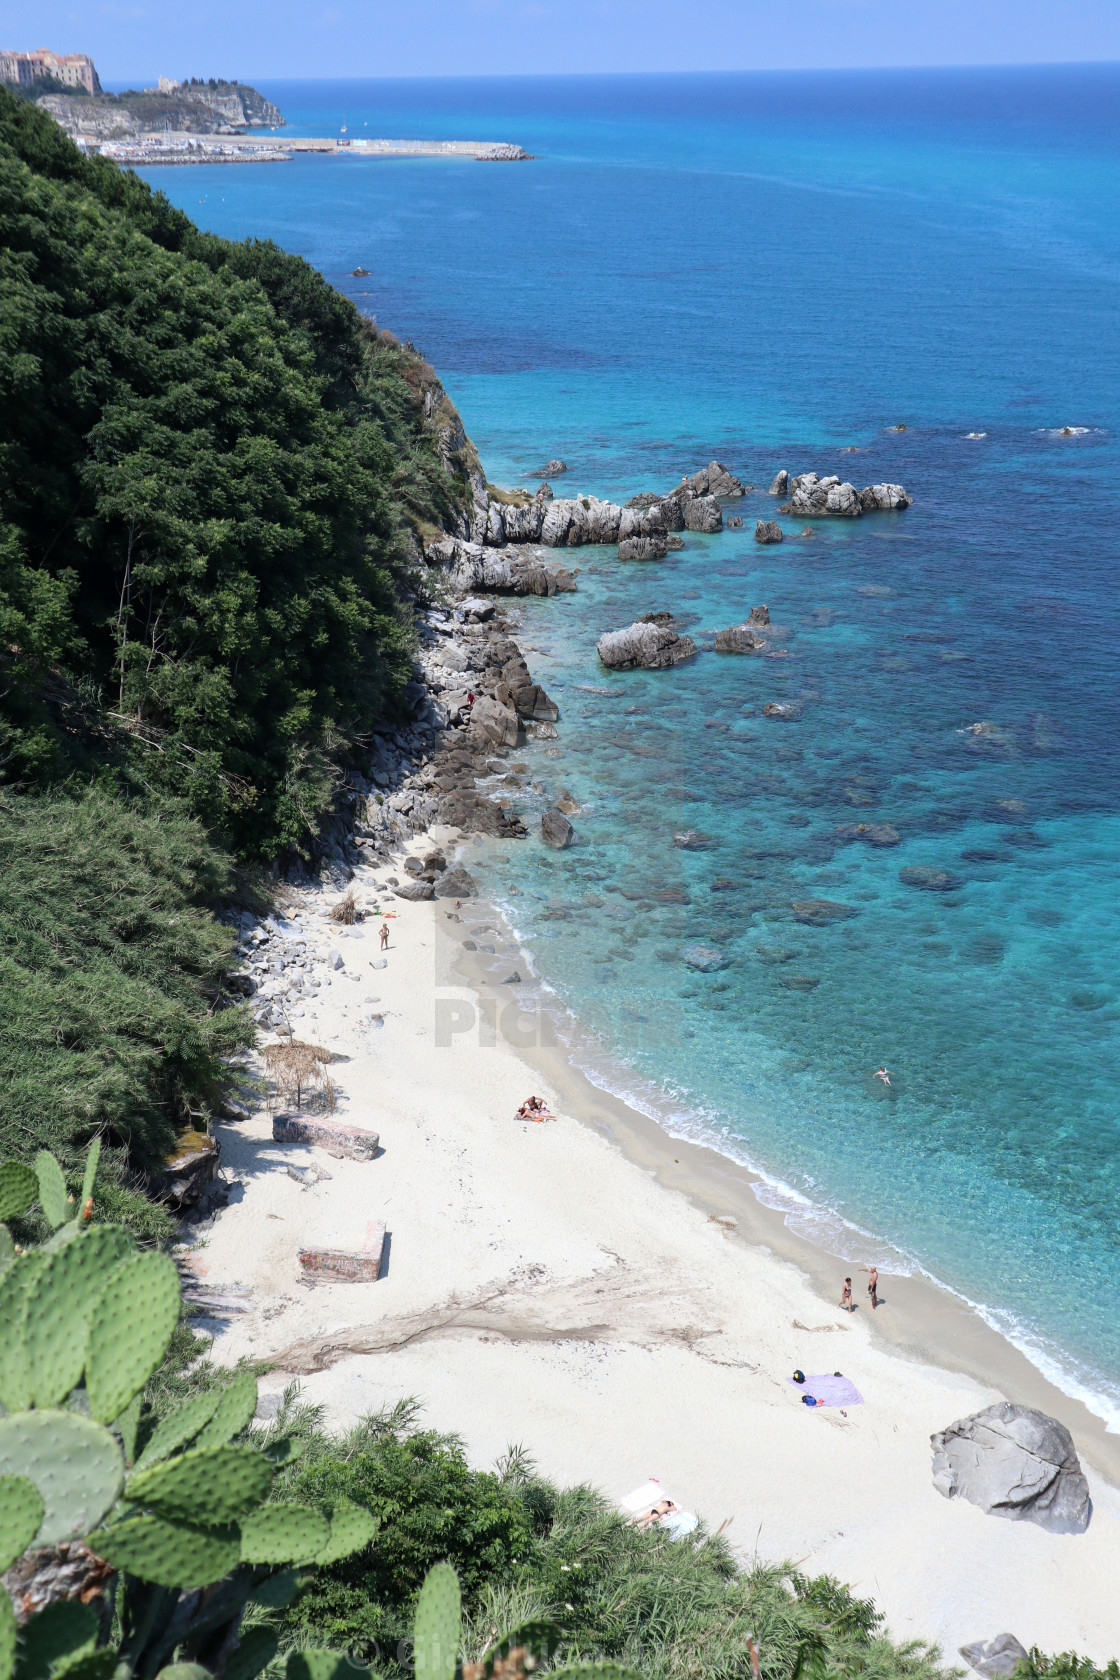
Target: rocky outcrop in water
column 767, row 531
column 643, row 548
column 471, row 566
column 831, row 498
column 1013, row 1461
column 644, row 646
column 578, row 521
column 556, row 830
column 740, row 638
column 551, row 469
column 780, row 484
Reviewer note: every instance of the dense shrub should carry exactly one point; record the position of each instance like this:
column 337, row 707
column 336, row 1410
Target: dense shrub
column 110, row 967
column 210, row 472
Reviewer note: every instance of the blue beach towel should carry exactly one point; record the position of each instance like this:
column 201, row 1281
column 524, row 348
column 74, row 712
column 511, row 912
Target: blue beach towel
column 830, row 1390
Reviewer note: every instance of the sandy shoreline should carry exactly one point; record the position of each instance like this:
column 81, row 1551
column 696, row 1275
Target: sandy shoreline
column 576, row 1287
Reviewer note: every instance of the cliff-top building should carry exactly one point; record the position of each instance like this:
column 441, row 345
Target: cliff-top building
column 74, row 70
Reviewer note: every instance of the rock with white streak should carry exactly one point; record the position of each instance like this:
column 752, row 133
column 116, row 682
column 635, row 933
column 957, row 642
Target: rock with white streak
column 780, row 484
column 644, row 646
column 1013, row 1461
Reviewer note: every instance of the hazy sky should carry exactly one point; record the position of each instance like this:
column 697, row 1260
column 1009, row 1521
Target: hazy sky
column 140, row 39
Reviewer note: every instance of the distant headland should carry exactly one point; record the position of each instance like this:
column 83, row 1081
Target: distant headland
column 194, row 121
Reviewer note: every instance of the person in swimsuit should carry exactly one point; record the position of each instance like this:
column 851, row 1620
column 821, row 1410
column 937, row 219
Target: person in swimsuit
column 846, row 1296
column 872, row 1283
column 883, row 1075
column 384, row 936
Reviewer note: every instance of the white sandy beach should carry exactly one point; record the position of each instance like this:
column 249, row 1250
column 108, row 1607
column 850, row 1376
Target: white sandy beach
column 544, row 1286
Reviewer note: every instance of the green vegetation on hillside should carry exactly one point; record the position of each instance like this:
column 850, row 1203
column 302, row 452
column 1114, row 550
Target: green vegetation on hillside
column 214, row 481
column 211, row 470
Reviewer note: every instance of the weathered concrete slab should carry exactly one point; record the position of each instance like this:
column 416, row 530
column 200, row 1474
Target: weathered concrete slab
column 335, row 1136
column 339, row 1265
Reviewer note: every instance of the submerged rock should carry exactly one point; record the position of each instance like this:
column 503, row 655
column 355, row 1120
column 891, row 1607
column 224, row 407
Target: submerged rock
column 1013, row 1461
column 875, row 834
column 705, row 959
column 550, row 469
column 785, row 711
column 693, row 840
column 645, row 647
column 821, row 912
column 799, row 982
column 767, row 531
column 928, row 879
column 556, row 830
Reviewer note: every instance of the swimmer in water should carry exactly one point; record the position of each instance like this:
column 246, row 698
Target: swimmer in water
column 883, row 1075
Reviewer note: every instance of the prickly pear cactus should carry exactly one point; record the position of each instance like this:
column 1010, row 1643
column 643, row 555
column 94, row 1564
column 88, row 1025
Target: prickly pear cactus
column 132, row 1323
column 60, row 1302
column 179, row 1427
column 436, row 1631
column 7, row 1636
column 206, row 1485
column 233, row 1413
column 52, row 1189
column 171, row 1554
column 74, row 1463
column 283, row 1534
column 21, row 1516
column 352, row 1528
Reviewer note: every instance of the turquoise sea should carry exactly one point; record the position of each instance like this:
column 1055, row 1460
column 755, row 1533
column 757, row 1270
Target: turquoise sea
column 775, row 270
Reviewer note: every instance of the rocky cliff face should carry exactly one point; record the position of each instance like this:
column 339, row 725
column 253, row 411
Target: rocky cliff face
column 224, row 108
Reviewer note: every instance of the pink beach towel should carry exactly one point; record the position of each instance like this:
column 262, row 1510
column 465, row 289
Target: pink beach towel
column 830, row 1390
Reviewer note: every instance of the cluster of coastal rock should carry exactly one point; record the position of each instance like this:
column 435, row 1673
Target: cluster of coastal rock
column 473, row 697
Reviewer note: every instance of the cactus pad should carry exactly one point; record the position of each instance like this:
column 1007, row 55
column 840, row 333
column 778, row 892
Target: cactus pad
column 179, row 1427
column 351, row 1529
column 93, row 1156
column 435, row 1633
column 322, row 1665
column 61, row 1629
column 130, row 1328
column 15, row 1374
column 87, row 1665
column 18, row 1189
column 7, row 1248
column 187, row 1671
column 275, row 1592
column 255, row 1651
column 52, row 1189
column 7, row 1636
column 209, row 1485
column 168, row 1554
column 21, row 1516
column 75, row 1464
column 283, row 1534
column 236, row 1405
column 59, row 1305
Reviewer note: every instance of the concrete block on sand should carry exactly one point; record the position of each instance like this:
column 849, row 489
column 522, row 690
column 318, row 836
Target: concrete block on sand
column 340, row 1265
column 336, row 1138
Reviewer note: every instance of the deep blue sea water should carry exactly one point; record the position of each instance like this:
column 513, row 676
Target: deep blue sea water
column 775, row 270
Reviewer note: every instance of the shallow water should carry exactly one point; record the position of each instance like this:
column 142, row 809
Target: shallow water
column 769, row 270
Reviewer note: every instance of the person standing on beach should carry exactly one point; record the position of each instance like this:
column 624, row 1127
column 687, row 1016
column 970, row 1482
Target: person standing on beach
column 846, row 1296
column 384, row 936
column 872, row 1283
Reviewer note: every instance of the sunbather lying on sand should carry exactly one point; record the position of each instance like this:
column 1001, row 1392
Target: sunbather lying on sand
column 664, row 1508
column 533, row 1108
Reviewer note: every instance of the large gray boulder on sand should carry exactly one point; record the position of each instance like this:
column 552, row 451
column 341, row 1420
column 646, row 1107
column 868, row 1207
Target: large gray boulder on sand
column 648, row 646
column 995, row 1659
column 1014, row 1462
